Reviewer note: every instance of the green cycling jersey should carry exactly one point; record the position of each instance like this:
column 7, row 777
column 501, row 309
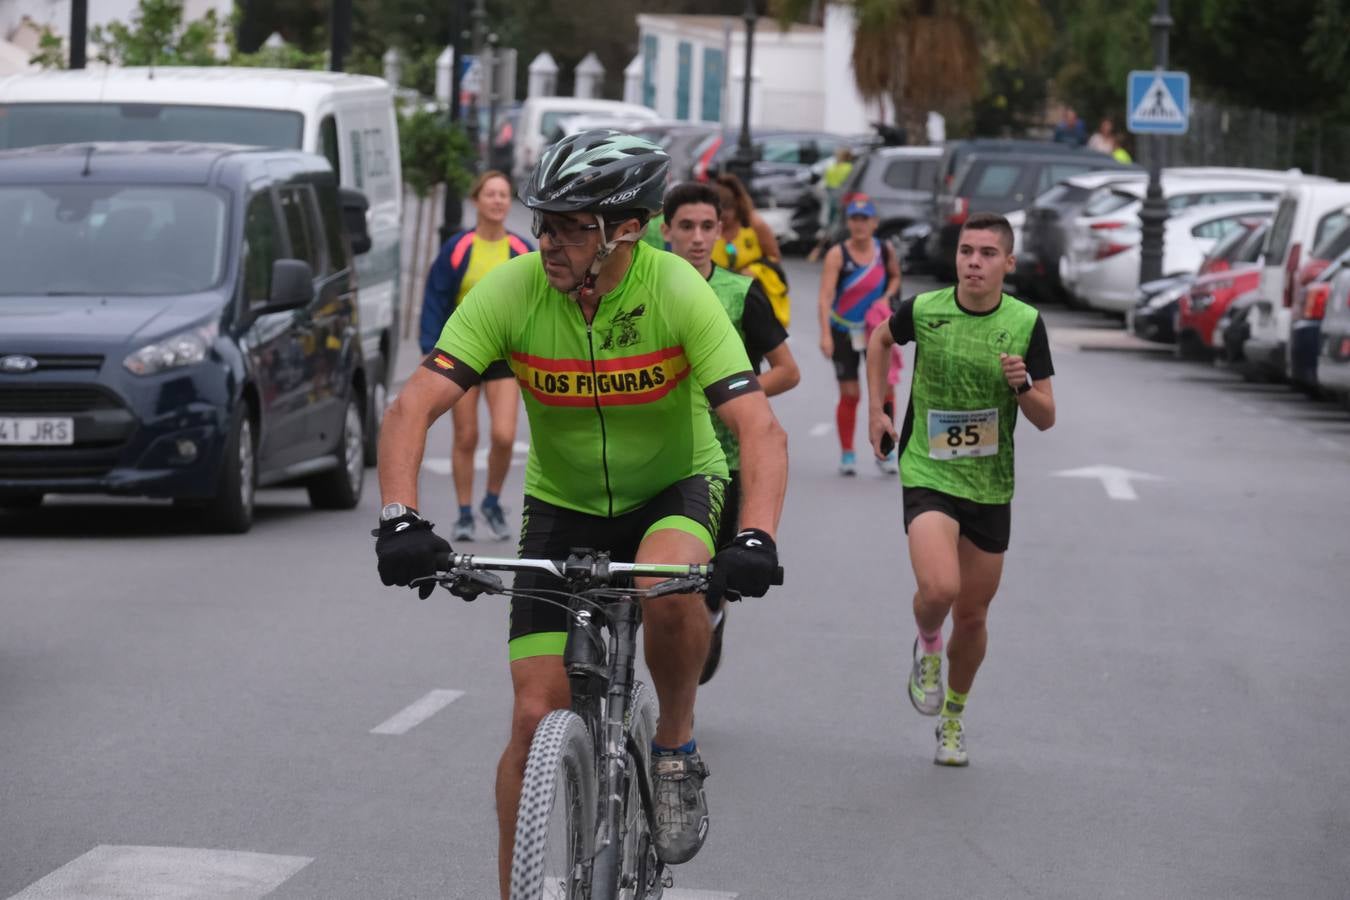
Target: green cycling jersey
column 618, row 407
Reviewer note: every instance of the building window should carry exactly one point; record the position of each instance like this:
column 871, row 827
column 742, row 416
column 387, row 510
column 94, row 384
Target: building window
column 649, row 45
column 686, row 64
column 714, row 72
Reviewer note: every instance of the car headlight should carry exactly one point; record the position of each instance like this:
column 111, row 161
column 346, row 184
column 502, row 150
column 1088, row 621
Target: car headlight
column 183, row 349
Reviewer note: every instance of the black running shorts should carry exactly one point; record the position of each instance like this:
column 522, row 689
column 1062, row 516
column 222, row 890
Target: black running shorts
column 988, row 526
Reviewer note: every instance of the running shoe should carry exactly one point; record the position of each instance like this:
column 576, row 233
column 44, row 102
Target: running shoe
column 681, row 806
column 951, row 743
column 848, row 463
column 715, row 646
column 925, row 682
column 463, row 530
column 890, row 465
column 496, row 521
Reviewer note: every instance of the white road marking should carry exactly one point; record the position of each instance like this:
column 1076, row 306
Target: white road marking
column 111, row 872
column 820, row 429
column 553, row 891
column 1114, row 479
column 418, row 712
column 440, row 465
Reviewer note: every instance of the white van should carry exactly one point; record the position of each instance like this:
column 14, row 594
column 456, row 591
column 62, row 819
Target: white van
column 347, row 118
column 1308, row 212
column 540, row 117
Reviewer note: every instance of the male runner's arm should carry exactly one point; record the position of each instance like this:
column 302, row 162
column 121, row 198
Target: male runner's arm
column 829, row 277
column 763, row 459
column 783, row 374
column 1037, row 404
column 765, row 337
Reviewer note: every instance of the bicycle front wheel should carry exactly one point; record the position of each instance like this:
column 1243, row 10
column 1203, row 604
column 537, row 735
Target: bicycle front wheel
column 555, row 822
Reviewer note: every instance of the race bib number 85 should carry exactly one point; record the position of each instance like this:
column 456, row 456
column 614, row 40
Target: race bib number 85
column 956, row 434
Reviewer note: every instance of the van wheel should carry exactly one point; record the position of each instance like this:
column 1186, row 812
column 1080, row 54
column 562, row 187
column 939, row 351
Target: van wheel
column 379, row 399
column 230, row 511
column 340, row 488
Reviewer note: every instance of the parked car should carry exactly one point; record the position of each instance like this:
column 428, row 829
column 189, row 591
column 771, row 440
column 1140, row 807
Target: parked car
column 899, row 182
column 956, row 152
column 1110, row 281
column 349, row 119
column 180, row 321
column 1109, row 224
column 1157, row 316
column 540, row 117
column 1310, row 209
column 1233, row 330
column 1333, row 361
column 681, row 141
column 1046, row 232
column 1207, row 299
column 1315, row 278
column 1000, row 182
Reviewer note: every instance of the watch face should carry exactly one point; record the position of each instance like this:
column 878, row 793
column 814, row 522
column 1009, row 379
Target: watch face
column 392, row 511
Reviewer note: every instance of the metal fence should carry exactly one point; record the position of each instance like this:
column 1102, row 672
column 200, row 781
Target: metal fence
column 1222, row 135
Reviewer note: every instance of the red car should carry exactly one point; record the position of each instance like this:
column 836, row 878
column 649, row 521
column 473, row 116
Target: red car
column 1201, row 307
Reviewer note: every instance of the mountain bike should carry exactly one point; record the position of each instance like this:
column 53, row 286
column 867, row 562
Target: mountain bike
column 586, row 813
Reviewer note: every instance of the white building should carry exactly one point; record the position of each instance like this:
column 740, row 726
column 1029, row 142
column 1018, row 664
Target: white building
column 693, row 70
column 22, row 20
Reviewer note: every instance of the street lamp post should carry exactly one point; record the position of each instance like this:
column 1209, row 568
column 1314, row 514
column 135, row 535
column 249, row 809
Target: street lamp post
column 340, row 37
column 79, row 32
column 1153, row 216
column 742, row 164
column 453, row 211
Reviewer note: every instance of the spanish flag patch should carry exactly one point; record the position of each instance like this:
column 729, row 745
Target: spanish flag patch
column 442, row 360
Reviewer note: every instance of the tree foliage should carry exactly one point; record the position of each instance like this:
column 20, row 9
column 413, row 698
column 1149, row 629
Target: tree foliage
column 434, row 152
column 158, row 36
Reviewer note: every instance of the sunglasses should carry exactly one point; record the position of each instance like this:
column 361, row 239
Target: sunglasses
column 561, row 232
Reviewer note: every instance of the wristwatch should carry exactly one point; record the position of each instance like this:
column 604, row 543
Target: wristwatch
column 1026, row 386
column 393, row 511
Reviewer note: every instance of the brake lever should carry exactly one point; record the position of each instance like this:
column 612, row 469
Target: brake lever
column 692, row 584
column 468, row 584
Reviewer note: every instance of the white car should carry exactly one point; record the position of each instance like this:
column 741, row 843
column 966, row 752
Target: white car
column 1111, row 281
column 540, row 118
column 1116, row 206
column 1307, row 213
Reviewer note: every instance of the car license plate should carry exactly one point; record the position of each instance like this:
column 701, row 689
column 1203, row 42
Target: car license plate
column 36, row 432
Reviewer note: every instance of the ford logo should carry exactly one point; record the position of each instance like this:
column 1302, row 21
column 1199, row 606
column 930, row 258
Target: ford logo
column 17, row 365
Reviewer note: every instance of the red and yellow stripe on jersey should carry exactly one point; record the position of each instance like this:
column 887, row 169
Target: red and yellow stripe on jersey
column 621, row 381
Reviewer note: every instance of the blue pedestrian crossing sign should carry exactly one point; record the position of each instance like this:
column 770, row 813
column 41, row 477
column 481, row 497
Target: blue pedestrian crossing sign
column 1158, row 102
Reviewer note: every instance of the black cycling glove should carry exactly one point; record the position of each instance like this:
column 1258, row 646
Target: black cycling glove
column 407, row 549
column 746, row 566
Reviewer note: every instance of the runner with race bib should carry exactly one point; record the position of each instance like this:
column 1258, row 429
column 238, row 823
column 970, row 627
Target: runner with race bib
column 980, row 357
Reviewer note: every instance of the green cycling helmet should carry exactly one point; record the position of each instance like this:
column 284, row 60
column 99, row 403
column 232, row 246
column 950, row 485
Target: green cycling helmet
column 606, row 172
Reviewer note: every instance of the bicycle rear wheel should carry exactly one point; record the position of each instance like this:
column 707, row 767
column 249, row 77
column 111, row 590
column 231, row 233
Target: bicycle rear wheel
column 555, row 822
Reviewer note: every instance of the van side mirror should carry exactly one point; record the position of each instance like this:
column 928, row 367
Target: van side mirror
column 292, row 286
column 354, row 207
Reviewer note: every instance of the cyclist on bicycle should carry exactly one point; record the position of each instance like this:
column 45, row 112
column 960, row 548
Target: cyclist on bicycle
column 621, row 349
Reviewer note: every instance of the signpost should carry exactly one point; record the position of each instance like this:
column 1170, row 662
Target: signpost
column 1159, row 102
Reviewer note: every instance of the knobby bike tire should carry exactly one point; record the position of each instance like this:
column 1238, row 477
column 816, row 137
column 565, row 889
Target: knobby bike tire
column 628, row 870
column 560, row 755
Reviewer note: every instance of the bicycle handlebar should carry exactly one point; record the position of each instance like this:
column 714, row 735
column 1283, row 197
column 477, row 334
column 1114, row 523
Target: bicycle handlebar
column 587, row 567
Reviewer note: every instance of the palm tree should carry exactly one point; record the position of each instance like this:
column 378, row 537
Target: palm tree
column 931, row 54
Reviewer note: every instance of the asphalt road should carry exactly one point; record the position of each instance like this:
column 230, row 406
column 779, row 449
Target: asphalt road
column 1162, row 712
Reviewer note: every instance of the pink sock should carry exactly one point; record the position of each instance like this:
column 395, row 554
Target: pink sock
column 930, row 643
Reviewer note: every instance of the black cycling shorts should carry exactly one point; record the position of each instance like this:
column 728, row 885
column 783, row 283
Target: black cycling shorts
column 847, row 361
column 731, row 512
column 693, row 505
column 988, row 526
